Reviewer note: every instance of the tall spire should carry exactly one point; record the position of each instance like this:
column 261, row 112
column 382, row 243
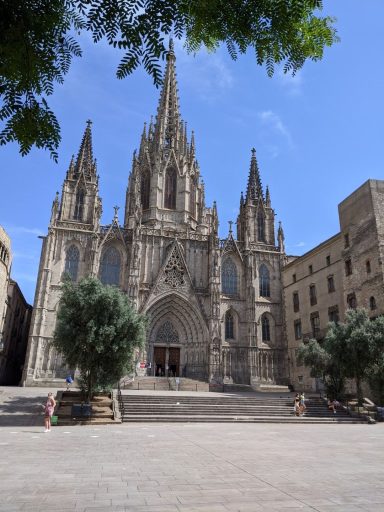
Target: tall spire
column 85, row 162
column 254, row 188
column 168, row 120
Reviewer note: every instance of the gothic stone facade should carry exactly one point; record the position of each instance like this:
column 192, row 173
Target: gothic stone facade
column 5, row 270
column 214, row 306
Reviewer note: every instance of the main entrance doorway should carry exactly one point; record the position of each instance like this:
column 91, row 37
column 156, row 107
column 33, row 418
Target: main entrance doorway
column 166, row 361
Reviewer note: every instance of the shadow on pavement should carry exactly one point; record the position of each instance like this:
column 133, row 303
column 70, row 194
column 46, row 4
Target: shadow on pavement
column 21, row 411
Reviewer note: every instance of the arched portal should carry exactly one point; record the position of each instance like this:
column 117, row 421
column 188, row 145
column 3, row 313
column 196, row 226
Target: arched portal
column 177, row 339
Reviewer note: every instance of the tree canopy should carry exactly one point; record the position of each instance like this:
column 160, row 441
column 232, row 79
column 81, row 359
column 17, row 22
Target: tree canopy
column 97, row 331
column 350, row 350
column 38, row 43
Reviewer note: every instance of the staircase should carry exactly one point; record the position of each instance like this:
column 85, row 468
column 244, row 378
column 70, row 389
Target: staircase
column 225, row 409
column 167, row 384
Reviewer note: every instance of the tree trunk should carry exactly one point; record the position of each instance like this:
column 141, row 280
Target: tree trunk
column 359, row 392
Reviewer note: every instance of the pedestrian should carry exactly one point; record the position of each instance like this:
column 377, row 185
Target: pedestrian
column 302, row 403
column 296, row 405
column 68, row 381
column 49, row 407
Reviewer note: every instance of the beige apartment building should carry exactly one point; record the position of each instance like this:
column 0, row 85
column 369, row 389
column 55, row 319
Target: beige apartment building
column 343, row 272
column 5, row 270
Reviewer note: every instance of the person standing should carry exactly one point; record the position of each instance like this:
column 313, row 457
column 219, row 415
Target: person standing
column 48, row 411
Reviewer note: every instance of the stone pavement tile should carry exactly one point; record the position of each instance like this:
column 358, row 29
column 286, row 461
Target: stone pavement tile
column 155, row 508
column 203, row 508
column 339, row 508
column 373, row 507
column 203, row 499
column 128, row 502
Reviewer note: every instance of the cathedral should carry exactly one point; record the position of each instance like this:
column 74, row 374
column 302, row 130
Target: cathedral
column 214, row 307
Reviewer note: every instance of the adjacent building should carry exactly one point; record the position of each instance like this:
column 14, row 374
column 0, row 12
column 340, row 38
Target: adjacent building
column 15, row 335
column 5, row 272
column 343, row 272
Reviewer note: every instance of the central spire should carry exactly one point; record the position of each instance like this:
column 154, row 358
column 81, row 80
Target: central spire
column 168, row 121
column 254, row 188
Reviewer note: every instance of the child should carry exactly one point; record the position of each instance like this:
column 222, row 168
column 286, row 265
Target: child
column 48, row 412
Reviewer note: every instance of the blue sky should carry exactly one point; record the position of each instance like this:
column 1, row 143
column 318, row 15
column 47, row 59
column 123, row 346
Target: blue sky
column 318, row 135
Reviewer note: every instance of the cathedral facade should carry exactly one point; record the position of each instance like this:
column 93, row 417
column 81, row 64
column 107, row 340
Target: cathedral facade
column 214, row 306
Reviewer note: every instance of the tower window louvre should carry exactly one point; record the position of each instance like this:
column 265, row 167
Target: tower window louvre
column 79, row 205
column 170, row 189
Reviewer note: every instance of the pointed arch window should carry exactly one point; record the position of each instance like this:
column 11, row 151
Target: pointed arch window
column 110, row 267
column 145, row 189
column 260, row 226
column 192, row 206
column 229, row 326
column 372, row 303
column 72, row 262
column 229, row 277
column 265, row 329
column 264, row 279
column 170, row 189
column 79, row 205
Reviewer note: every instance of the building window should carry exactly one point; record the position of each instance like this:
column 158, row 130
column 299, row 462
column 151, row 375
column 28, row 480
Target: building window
column 368, row 266
column 300, row 379
column 229, row 277
column 312, row 295
column 348, row 267
column 331, row 284
column 297, row 328
column 260, row 227
column 192, row 206
column 294, row 278
column 145, row 189
column 79, row 205
column 310, row 269
column 72, row 262
column 296, row 302
column 328, row 260
column 229, row 324
column 333, row 314
column 170, row 189
column 351, row 301
column 372, row 303
column 265, row 328
column 315, row 324
column 110, row 267
column 346, row 240
column 264, row 287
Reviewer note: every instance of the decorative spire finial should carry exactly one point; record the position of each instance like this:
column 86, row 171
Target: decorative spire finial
column 115, row 217
column 230, row 222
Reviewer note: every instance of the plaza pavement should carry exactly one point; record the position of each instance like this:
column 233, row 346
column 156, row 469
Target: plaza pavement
column 186, row 467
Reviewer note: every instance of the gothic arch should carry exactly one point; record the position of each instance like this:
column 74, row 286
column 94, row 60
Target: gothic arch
column 264, row 280
column 267, row 325
column 72, row 261
column 230, row 282
column 260, row 226
column 111, row 265
column 191, row 330
column 145, row 187
column 230, row 317
column 78, row 212
column 170, row 188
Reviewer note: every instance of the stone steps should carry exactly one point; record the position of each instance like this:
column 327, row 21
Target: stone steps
column 234, row 408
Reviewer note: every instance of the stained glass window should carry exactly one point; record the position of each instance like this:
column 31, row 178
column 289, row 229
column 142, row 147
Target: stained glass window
column 229, row 277
column 265, row 329
column 229, row 331
column 72, row 262
column 264, row 281
column 170, row 189
column 110, row 266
